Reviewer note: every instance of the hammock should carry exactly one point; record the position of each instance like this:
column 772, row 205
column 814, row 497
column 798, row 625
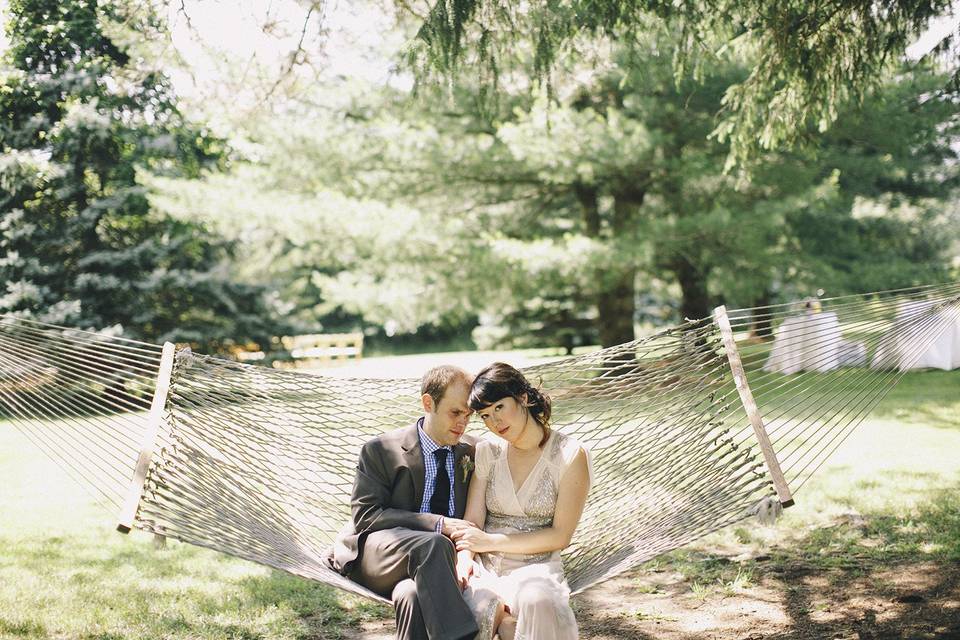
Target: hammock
column 691, row 429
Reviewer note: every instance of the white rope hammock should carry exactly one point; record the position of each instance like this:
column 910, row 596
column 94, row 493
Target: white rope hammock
column 691, row 429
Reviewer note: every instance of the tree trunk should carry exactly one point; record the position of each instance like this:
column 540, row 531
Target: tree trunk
column 587, row 195
column 695, row 303
column 615, row 307
column 615, row 291
column 762, row 326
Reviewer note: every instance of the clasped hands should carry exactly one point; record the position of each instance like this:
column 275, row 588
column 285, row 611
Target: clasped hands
column 467, row 536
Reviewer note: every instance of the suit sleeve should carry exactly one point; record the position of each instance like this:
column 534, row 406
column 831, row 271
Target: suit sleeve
column 371, row 498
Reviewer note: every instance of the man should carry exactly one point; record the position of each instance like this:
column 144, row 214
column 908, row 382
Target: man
column 409, row 496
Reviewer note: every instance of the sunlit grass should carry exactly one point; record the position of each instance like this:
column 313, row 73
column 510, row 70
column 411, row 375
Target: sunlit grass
column 65, row 573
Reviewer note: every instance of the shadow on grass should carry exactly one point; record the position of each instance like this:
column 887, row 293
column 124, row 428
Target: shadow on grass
column 863, row 606
column 21, row 628
column 877, row 575
column 871, row 576
column 324, row 611
column 926, row 397
column 933, row 414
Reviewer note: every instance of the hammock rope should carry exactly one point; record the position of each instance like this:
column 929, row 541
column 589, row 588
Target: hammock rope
column 259, row 463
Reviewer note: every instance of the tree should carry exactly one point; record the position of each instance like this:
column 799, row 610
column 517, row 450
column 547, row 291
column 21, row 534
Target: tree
column 542, row 217
column 626, row 164
column 810, row 58
column 440, row 212
column 83, row 116
column 890, row 224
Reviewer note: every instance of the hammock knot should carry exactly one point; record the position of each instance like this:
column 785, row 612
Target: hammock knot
column 768, row 510
column 184, row 358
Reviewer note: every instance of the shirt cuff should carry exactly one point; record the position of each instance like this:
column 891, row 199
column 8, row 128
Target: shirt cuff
column 439, row 527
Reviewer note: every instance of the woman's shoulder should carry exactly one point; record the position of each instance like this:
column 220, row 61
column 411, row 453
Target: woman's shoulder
column 568, row 451
column 566, row 447
column 488, row 448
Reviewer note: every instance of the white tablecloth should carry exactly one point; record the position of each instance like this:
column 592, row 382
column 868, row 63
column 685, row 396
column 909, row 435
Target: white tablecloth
column 921, row 339
column 812, row 342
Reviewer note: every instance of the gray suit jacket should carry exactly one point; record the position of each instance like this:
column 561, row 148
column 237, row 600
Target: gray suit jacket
column 388, row 491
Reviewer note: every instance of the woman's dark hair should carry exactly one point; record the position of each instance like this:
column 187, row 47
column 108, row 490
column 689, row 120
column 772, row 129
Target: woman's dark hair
column 500, row 380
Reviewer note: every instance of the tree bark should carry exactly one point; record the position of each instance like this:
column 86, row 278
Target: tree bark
column 615, row 306
column 616, row 290
column 762, row 326
column 587, row 196
column 695, row 303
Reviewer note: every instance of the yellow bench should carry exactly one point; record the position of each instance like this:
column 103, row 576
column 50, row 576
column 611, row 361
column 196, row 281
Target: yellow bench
column 307, row 350
column 310, row 349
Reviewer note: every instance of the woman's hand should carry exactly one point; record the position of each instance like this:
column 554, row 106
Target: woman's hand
column 464, row 569
column 473, row 539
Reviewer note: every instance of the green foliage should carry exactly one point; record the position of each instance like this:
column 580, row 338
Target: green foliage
column 889, row 223
column 338, row 262
column 82, row 117
column 546, row 219
column 809, row 58
column 628, row 161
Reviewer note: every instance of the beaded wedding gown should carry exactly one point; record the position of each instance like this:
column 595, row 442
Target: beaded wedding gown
column 532, row 585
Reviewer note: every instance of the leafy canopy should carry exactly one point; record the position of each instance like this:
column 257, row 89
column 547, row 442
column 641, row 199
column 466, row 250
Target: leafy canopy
column 808, row 57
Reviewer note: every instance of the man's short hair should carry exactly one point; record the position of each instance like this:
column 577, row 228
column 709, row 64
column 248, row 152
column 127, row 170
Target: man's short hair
column 437, row 380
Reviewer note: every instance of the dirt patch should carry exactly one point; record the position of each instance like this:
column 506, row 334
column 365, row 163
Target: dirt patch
column 792, row 601
column 795, row 601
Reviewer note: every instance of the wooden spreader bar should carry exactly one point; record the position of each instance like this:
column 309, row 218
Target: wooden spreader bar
column 750, row 405
column 155, row 418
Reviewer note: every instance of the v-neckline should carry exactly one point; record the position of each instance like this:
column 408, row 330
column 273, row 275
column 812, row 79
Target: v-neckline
column 506, row 460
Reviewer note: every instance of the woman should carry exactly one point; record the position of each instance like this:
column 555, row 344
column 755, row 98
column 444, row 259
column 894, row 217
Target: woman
column 529, row 488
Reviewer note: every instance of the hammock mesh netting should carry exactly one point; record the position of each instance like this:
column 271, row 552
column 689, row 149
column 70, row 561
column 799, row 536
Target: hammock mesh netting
column 259, row 463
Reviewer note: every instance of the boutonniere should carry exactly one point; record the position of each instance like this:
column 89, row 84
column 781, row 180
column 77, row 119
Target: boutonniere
column 466, row 463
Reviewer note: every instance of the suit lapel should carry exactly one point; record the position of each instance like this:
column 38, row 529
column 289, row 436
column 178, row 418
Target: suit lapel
column 413, row 454
column 460, row 451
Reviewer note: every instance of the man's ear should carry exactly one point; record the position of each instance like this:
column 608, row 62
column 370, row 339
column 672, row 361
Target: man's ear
column 524, row 400
column 427, row 401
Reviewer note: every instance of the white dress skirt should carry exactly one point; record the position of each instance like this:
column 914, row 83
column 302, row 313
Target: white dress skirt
column 532, row 585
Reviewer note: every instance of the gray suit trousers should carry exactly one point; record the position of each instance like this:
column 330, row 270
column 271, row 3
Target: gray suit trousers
column 417, row 571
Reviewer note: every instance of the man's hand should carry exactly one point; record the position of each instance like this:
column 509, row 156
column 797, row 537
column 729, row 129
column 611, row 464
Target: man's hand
column 452, row 525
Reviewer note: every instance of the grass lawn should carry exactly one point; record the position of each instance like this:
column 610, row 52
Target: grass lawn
column 65, row 573
column 882, row 518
